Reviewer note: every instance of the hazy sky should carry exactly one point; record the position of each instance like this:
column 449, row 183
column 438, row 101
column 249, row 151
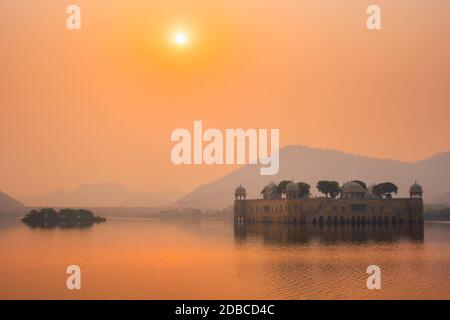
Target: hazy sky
column 100, row 104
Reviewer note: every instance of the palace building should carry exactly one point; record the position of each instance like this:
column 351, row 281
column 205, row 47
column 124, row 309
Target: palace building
column 355, row 204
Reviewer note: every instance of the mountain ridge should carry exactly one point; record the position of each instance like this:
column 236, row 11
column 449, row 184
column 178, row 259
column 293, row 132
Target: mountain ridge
column 105, row 194
column 10, row 204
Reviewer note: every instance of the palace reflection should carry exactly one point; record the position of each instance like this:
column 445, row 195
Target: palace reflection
column 279, row 233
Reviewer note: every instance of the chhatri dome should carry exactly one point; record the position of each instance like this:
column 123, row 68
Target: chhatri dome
column 352, row 187
column 270, row 191
column 353, row 190
column 271, row 186
column 292, row 186
column 416, row 191
column 292, row 190
column 240, row 193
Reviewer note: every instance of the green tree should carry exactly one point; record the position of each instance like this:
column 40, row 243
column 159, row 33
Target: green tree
column 333, row 188
column 322, row 186
column 389, row 188
column 377, row 190
column 330, row 188
column 385, row 189
column 303, row 189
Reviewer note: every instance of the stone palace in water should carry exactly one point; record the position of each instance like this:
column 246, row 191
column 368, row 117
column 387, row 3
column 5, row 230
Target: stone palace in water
column 355, row 204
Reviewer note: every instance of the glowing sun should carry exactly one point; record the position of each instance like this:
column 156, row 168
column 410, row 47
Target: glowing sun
column 181, row 38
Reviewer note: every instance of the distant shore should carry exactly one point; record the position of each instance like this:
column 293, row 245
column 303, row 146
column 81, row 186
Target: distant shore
column 431, row 213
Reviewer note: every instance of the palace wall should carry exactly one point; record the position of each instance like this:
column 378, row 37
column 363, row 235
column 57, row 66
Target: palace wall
column 322, row 210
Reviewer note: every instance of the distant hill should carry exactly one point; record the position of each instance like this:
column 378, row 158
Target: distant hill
column 101, row 195
column 311, row 165
column 9, row 204
column 443, row 198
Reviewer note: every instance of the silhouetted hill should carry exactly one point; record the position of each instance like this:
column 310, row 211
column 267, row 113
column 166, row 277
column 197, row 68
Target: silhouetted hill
column 311, row 165
column 9, row 205
column 443, row 198
column 100, row 195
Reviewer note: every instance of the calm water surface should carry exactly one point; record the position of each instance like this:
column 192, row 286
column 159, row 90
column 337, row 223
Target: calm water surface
column 153, row 259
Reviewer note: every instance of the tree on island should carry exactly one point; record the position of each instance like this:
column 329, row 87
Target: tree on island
column 65, row 218
column 385, row 189
column 303, row 189
column 330, row 188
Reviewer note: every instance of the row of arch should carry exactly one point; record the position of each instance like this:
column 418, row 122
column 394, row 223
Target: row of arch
column 295, row 209
column 356, row 220
column 332, row 219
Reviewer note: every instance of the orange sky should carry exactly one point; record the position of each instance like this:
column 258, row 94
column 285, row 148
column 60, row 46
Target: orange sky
column 100, row 104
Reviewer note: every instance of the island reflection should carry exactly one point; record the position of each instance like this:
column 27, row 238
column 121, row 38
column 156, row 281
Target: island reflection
column 279, row 233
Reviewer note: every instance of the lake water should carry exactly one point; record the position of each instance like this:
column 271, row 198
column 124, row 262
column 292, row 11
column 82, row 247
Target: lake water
column 153, row 259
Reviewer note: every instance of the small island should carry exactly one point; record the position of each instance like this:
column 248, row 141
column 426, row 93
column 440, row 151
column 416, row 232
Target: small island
column 64, row 218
